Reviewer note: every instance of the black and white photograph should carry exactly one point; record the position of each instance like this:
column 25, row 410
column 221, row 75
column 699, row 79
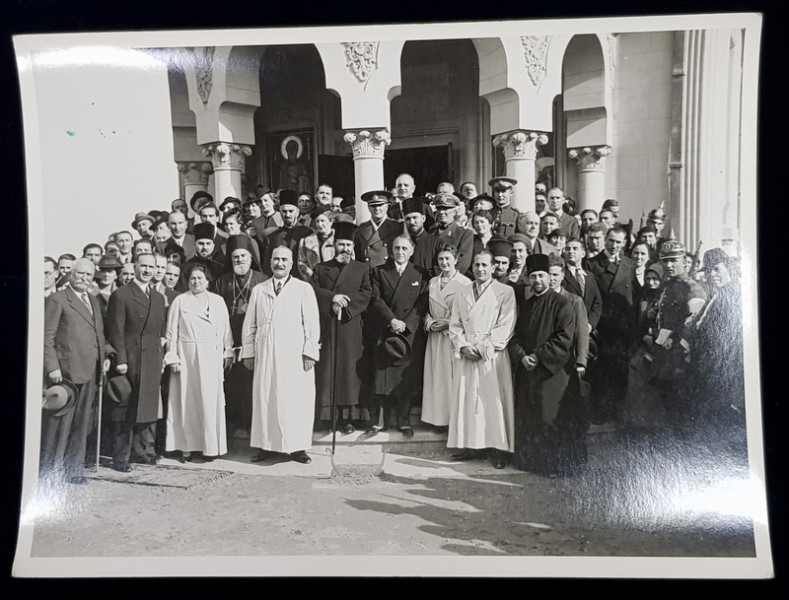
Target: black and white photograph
column 466, row 299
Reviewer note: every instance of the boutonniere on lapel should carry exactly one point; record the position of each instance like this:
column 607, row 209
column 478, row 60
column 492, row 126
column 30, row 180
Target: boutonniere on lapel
column 415, row 283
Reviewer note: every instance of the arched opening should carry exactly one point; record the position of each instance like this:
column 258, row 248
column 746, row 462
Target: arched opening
column 436, row 118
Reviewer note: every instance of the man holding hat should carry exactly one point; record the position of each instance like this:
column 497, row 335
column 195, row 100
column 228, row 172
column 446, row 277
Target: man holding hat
column 508, row 216
column 542, row 354
column 449, row 232
column 288, row 235
column 481, row 324
column 235, row 287
column 373, row 238
column 395, row 335
column 679, row 305
column 136, row 325
column 75, row 351
column 342, row 286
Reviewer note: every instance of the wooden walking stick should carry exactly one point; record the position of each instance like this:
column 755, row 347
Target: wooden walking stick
column 335, row 324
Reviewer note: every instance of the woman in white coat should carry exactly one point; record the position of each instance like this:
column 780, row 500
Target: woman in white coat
column 199, row 349
column 440, row 360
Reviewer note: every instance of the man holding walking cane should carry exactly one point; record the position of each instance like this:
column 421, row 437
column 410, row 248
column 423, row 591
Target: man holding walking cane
column 343, row 289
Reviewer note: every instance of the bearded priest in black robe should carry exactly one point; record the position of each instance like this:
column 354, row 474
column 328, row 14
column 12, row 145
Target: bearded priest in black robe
column 543, row 360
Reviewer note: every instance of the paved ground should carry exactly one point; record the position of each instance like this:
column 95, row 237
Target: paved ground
column 382, row 497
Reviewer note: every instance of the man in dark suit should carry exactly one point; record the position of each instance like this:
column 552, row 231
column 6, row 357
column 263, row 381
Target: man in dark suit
column 616, row 329
column 74, row 350
column 395, row 327
column 581, row 282
column 373, row 240
column 136, row 319
column 343, row 289
column 449, row 232
column 177, row 224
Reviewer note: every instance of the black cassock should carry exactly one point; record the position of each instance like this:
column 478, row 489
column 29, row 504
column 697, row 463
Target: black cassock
column 341, row 339
column 547, row 420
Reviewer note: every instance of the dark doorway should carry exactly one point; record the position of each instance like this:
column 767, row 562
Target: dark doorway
column 337, row 171
column 428, row 166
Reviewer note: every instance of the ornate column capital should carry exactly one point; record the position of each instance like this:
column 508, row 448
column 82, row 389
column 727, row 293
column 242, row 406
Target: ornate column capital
column 520, row 144
column 367, row 143
column 195, row 172
column 590, row 158
column 227, row 156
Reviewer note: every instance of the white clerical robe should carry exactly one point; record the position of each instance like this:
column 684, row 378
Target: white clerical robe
column 440, row 360
column 279, row 330
column 197, row 341
column 482, row 415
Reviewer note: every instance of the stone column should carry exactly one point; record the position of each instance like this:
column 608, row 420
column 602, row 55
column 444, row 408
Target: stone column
column 368, row 164
column 520, row 153
column 227, row 160
column 590, row 167
column 195, row 177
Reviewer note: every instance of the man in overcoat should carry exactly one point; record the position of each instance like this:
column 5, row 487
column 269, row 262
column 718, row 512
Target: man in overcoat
column 373, row 239
column 74, row 350
column 395, row 327
column 136, row 323
column 615, row 274
column 343, row 289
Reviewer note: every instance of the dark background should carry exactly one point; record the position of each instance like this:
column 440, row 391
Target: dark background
column 74, row 16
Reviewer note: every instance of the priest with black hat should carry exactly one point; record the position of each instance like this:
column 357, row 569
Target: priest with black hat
column 342, row 286
column 542, row 356
column 205, row 254
column 289, row 234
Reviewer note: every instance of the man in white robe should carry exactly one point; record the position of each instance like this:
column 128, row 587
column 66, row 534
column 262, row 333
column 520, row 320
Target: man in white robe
column 280, row 341
column 481, row 325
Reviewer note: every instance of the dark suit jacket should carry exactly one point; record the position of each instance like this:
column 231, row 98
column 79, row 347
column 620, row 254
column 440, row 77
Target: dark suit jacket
column 375, row 253
column 425, row 251
column 73, row 338
column 189, row 245
column 398, row 297
column 616, row 290
column 593, row 301
column 135, row 327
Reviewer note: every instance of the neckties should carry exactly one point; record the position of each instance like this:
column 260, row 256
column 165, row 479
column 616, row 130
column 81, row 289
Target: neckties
column 278, row 288
column 86, row 300
column 147, row 291
column 581, row 278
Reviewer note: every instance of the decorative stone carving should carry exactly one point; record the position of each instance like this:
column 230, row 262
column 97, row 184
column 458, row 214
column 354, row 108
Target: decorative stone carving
column 368, row 144
column 227, row 156
column 535, row 49
column 590, row 158
column 195, row 172
column 520, row 144
column 361, row 58
column 204, row 70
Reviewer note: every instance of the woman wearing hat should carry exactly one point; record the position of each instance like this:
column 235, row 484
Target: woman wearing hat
column 318, row 247
column 199, row 345
column 440, row 362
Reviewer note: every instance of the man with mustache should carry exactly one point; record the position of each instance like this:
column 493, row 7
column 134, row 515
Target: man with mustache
column 342, row 286
column 281, row 342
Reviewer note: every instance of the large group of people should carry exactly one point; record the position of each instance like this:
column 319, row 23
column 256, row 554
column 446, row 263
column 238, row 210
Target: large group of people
column 265, row 319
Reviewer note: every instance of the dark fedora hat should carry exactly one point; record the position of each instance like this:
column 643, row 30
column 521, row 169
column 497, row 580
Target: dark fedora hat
column 58, row 399
column 394, row 349
column 118, row 390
